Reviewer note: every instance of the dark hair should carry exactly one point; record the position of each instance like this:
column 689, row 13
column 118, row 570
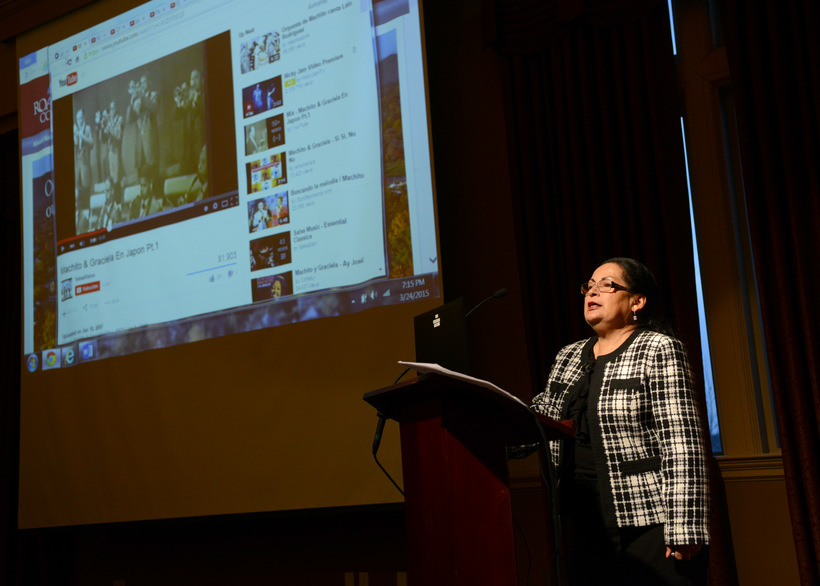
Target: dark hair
column 640, row 280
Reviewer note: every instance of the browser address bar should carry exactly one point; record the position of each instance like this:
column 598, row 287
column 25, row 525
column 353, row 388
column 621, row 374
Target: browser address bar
column 146, row 30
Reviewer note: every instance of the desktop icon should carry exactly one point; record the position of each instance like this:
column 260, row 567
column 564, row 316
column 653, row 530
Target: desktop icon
column 51, row 358
column 70, row 357
column 32, row 362
column 88, row 350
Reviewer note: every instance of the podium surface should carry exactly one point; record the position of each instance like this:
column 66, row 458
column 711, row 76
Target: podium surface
column 454, row 435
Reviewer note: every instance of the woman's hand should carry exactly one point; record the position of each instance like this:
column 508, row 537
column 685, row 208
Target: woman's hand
column 683, row 552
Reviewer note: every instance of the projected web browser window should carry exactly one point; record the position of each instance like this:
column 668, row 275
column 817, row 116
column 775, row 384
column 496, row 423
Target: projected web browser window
column 199, row 168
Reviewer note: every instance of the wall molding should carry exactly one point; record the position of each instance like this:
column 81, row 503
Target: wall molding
column 751, row 468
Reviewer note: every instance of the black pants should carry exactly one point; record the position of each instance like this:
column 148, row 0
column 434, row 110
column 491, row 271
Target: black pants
column 598, row 555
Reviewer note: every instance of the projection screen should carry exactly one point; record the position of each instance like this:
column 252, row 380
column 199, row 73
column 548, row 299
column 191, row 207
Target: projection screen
column 228, row 225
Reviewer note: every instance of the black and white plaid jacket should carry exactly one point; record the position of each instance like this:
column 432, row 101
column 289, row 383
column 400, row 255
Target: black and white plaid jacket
column 646, row 434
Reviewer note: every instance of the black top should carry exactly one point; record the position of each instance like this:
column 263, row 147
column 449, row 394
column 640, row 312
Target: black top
column 583, row 465
column 579, row 466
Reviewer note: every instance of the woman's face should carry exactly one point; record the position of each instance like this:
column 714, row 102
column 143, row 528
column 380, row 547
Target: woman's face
column 606, row 312
column 276, row 290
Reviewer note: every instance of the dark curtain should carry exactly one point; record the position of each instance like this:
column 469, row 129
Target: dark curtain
column 10, row 356
column 596, row 157
column 598, row 169
column 773, row 50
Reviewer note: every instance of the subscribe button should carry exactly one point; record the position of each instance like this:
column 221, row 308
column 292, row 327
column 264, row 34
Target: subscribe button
column 87, row 288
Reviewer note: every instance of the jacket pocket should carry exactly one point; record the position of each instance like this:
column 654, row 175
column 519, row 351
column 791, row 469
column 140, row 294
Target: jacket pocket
column 651, row 464
column 627, row 383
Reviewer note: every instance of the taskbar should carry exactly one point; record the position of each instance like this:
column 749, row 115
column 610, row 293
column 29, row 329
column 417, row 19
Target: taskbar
column 271, row 313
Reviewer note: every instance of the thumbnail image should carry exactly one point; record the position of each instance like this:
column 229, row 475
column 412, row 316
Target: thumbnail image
column 259, row 51
column 256, row 138
column 261, row 97
column 268, row 212
column 270, row 251
column 67, row 289
column 264, row 134
column 266, row 173
column 142, row 131
column 272, row 287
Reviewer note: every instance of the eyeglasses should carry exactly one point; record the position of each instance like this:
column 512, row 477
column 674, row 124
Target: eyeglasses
column 603, row 286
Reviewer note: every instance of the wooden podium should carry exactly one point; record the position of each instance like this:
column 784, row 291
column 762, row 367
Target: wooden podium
column 454, row 435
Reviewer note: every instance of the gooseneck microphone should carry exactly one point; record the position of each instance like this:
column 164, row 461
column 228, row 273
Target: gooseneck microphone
column 497, row 295
column 380, row 426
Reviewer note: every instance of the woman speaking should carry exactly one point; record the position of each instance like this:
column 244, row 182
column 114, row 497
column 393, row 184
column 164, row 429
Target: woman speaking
column 632, row 486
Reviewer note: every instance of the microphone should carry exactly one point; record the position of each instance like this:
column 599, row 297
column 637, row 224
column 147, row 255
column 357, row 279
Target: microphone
column 377, row 439
column 380, row 425
column 497, row 295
